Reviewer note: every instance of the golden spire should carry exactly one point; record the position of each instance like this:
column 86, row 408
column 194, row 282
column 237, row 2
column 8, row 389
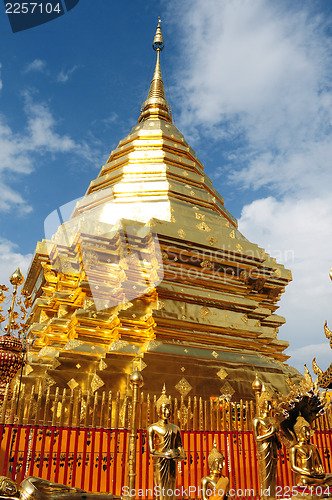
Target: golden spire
column 156, row 106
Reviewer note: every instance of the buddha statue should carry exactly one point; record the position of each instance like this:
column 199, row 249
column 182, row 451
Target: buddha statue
column 305, row 459
column 216, row 485
column 267, row 442
column 165, row 445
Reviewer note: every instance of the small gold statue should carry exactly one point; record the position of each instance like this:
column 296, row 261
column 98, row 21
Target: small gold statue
column 8, row 488
column 35, row 488
column 165, row 445
column 267, row 441
column 216, row 482
column 305, row 460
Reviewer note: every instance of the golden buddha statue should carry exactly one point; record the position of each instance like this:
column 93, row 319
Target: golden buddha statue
column 8, row 488
column 165, row 445
column 216, row 482
column 305, row 459
column 36, row 488
column 267, row 442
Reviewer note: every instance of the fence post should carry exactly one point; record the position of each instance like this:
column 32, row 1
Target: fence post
column 136, row 381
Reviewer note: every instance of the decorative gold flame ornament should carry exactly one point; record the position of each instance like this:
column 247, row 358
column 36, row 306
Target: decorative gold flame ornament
column 216, row 485
column 165, row 445
column 11, row 348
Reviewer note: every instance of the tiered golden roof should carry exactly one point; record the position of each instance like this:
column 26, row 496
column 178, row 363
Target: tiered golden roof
column 151, row 269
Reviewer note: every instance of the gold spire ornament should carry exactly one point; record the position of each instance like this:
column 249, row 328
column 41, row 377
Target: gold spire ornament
column 11, row 348
column 156, row 106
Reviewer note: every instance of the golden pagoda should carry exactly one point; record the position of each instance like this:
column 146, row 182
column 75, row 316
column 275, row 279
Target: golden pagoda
column 151, row 271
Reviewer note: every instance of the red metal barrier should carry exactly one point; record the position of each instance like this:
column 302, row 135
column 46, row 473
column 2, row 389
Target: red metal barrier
column 95, row 459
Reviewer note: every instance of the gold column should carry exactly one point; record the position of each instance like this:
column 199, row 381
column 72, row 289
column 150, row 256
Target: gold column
column 136, row 381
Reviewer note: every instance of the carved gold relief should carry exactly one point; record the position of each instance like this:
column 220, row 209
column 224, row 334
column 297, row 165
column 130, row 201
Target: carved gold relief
column 203, row 227
column 183, row 387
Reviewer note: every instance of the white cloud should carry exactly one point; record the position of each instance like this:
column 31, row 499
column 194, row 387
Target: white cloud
column 256, row 76
column 18, row 152
column 64, row 76
column 304, row 355
column 10, row 259
column 36, row 65
column 298, row 233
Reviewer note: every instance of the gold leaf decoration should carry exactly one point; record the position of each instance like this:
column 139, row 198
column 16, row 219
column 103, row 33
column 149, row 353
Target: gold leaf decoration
column 204, row 311
column 96, row 383
column 181, row 233
column 118, row 344
column 56, row 364
column 102, row 365
column 183, row 387
column 203, row 227
column 72, row 344
column 227, row 389
column 232, row 234
column 214, row 354
column 72, row 384
column 245, row 319
column 222, row 373
column 212, row 241
column 239, row 247
column 46, row 352
column 49, row 381
column 28, row 369
column 206, row 264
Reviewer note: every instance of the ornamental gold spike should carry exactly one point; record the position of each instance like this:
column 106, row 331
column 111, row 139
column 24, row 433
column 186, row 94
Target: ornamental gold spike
column 156, row 107
column 17, row 277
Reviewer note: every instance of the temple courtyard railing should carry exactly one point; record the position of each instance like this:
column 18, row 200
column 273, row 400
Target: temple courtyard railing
column 83, row 442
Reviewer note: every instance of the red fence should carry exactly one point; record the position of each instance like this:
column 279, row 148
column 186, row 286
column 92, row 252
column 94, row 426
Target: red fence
column 96, row 459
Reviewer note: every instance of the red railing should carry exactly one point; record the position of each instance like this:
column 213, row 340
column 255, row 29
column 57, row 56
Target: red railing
column 95, row 459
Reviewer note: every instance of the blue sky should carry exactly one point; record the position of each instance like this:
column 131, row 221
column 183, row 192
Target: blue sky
column 250, row 87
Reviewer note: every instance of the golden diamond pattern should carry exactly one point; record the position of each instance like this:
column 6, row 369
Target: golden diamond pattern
column 204, row 312
column 203, row 227
column 139, row 364
column 49, row 381
column 28, row 369
column 102, row 365
column 47, row 352
column 96, row 383
column 71, row 344
column 222, row 373
column 214, row 354
column 72, row 384
column 227, row 389
column 183, row 387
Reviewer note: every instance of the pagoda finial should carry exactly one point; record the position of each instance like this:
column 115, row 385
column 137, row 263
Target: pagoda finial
column 156, row 107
